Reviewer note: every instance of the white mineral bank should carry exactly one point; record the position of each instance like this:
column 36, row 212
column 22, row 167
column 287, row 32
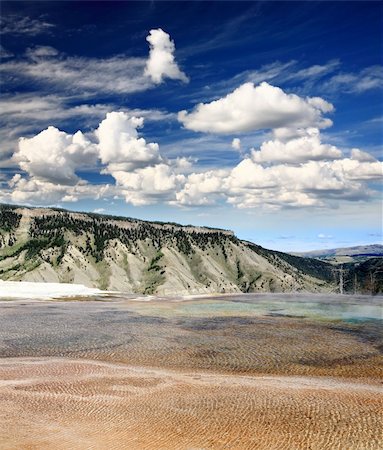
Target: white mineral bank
column 24, row 289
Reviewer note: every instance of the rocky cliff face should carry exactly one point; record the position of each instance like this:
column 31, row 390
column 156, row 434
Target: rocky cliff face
column 44, row 244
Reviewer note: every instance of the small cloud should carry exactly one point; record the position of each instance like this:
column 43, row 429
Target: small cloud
column 41, row 51
column 99, row 210
column 324, row 236
column 161, row 63
column 236, row 144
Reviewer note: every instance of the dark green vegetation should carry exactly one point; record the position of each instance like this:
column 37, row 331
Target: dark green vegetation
column 152, row 257
column 9, row 221
column 103, row 231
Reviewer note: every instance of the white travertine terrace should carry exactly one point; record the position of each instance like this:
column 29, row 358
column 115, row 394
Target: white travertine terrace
column 23, row 289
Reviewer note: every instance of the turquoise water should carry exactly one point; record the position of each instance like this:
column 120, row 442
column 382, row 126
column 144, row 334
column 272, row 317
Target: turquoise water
column 311, row 307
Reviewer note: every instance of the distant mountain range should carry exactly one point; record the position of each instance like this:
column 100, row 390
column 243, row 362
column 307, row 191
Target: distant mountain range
column 131, row 255
column 343, row 255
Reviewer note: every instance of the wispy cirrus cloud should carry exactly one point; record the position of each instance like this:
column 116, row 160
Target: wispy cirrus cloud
column 77, row 75
column 369, row 78
column 14, row 24
column 281, row 72
column 37, row 109
column 328, row 78
column 315, row 72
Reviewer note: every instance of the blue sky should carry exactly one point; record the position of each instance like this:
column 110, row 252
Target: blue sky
column 261, row 117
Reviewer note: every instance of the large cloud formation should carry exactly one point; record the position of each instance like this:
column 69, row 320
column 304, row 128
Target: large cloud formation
column 250, row 108
column 142, row 175
column 161, row 63
column 294, row 168
column 313, row 183
column 51, row 159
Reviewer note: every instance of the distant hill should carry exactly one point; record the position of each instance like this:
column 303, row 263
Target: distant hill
column 131, row 255
column 344, row 255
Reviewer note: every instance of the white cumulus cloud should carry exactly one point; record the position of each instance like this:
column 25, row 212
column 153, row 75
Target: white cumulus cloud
column 202, row 188
column 32, row 190
column 119, row 145
column 161, row 63
column 252, row 184
column 54, row 155
column 300, row 149
column 149, row 184
column 293, row 169
column 250, row 108
column 143, row 176
column 51, row 159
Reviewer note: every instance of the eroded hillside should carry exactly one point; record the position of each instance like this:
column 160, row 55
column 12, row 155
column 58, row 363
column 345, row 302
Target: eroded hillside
column 43, row 244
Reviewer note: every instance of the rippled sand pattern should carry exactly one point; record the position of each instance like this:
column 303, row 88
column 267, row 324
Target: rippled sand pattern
column 129, row 375
column 81, row 404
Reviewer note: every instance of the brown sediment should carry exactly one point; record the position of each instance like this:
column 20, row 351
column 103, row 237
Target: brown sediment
column 134, row 375
column 59, row 403
column 252, row 344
